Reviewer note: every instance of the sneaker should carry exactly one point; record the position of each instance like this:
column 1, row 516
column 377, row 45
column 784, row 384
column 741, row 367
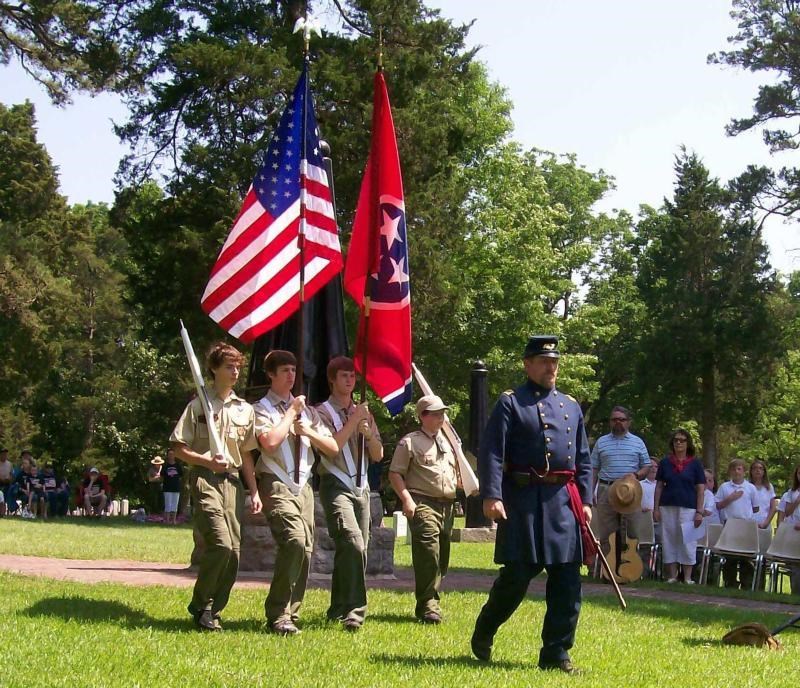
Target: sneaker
column 672, row 580
column 689, row 582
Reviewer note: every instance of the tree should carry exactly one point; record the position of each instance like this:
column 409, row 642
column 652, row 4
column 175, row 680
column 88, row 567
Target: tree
column 68, row 45
column 768, row 40
column 706, row 282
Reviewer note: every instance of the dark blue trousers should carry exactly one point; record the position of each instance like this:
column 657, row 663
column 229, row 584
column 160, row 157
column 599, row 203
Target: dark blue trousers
column 563, row 597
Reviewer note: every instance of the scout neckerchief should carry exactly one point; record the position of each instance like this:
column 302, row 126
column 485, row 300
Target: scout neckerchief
column 287, row 454
column 348, row 479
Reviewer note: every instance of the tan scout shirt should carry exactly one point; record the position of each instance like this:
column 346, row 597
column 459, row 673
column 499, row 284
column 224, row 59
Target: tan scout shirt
column 344, row 414
column 427, row 464
column 265, row 423
column 235, row 421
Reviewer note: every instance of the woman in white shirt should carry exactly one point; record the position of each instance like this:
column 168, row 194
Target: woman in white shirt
column 789, row 510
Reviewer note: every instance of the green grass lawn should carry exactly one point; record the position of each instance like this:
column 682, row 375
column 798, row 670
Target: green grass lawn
column 108, row 538
column 68, row 634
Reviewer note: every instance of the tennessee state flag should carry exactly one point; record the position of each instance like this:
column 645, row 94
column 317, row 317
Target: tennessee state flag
column 376, row 272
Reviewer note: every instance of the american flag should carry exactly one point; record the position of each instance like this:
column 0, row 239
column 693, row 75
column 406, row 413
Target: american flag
column 255, row 283
column 377, row 263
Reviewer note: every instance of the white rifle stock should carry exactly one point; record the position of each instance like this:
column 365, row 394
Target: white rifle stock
column 214, row 440
column 469, row 481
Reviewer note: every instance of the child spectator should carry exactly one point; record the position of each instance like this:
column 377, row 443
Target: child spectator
column 56, row 491
column 710, row 512
column 736, row 498
column 765, row 493
column 6, row 480
column 788, row 511
column 37, row 502
column 173, row 476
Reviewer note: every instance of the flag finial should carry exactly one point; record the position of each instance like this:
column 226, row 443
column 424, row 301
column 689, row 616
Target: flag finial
column 307, row 26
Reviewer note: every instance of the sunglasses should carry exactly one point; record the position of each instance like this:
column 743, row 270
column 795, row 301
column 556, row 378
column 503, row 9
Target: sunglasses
column 682, row 440
column 619, row 420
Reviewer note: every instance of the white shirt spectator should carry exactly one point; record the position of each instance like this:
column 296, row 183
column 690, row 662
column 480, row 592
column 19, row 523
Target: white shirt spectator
column 739, row 508
column 764, row 497
column 648, row 494
column 787, row 499
column 710, row 504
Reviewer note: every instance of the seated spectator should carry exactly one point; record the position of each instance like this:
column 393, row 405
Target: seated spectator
column 95, row 493
column 765, row 493
column 678, row 501
column 37, row 501
column 173, row 476
column 736, row 498
column 56, row 492
column 19, row 487
column 789, row 511
column 6, row 479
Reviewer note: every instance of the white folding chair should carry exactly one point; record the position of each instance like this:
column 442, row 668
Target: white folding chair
column 739, row 538
column 713, row 531
column 647, row 541
column 784, row 550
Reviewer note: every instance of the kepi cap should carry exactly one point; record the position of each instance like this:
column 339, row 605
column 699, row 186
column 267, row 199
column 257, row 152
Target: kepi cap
column 542, row 345
column 430, row 402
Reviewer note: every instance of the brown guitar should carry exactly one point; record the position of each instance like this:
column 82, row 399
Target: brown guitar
column 623, row 557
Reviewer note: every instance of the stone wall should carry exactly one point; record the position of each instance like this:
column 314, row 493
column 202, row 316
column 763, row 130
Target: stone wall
column 258, row 546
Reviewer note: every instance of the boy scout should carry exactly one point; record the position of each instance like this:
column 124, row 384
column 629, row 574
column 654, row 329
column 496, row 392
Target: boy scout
column 215, row 483
column 344, row 498
column 283, row 475
column 423, row 474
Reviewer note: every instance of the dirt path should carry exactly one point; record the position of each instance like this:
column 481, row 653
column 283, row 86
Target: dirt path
column 178, row 575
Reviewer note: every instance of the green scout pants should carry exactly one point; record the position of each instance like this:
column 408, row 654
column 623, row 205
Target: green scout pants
column 291, row 520
column 347, row 517
column 430, row 550
column 219, row 504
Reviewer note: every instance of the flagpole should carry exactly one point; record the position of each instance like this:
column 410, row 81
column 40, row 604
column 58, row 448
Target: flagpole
column 373, row 250
column 301, row 245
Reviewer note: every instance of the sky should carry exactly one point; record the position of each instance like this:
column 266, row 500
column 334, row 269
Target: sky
column 622, row 84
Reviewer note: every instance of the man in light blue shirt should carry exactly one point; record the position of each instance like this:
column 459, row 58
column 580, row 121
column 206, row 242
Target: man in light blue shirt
column 614, row 456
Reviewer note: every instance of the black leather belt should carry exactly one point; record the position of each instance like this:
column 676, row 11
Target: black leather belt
column 522, row 479
column 605, row 482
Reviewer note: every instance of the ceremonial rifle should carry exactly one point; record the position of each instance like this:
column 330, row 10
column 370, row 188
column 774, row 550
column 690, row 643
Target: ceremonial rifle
column 469, row 481
column 214, row 440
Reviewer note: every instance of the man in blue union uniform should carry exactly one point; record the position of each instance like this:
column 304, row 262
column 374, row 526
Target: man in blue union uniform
column 535, row 476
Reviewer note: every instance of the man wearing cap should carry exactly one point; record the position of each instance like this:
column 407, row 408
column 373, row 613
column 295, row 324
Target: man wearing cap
column 423, row 475
column 535, row 478
column 344, row 492
column 615, row 455
column 95, row 494
column 216, row 484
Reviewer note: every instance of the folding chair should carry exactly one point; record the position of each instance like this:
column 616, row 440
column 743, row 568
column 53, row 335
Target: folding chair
column 739, row 538
column 713, row 531
column 783, row 551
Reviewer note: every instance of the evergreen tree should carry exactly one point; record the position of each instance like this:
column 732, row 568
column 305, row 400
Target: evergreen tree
column 706, row 282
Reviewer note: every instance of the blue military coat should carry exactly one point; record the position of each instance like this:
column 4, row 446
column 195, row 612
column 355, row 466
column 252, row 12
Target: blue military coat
column 527, row 426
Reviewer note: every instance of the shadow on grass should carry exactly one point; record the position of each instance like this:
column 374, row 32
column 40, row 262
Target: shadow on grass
column 449, row 661
column 89, row 610
column 703, row 614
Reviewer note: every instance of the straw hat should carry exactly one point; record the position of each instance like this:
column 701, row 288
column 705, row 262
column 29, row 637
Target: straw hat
column 157, row 461
column 625, row 495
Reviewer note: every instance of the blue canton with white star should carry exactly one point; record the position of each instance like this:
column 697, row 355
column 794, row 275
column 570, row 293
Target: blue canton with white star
column 277, row 182
column 391, row 284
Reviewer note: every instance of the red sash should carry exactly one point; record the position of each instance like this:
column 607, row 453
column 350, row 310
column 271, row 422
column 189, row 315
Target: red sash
column 576, row 506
